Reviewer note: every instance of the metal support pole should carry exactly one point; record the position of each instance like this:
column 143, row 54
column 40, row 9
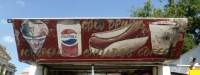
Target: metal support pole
column 92, row 69
column 192, row 61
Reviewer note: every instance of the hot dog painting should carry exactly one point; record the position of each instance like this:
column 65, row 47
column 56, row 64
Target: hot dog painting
column 103, row 39
column 123, row 38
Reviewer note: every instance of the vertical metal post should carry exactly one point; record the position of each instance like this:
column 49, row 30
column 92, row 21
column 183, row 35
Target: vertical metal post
column 192, row 61
column 92, row 69
column 42, row 70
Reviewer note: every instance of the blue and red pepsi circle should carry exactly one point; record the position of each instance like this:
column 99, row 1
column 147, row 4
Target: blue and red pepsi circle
column 69, row 37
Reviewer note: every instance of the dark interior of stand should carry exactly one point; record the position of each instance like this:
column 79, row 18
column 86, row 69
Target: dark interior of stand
column 67, row 69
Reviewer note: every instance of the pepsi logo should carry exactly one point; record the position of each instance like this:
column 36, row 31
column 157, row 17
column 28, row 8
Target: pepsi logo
column 69, row 37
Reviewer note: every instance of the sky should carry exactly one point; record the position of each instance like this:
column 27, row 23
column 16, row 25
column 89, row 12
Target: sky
column 57, row 9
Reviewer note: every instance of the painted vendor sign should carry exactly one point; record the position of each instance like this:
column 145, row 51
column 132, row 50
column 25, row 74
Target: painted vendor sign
column 99, row 39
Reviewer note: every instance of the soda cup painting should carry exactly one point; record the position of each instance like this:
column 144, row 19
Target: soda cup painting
column 99, row 39
column 69, row 38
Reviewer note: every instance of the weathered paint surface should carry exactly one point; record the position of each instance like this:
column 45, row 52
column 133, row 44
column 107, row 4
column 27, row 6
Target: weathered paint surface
column 118, row 39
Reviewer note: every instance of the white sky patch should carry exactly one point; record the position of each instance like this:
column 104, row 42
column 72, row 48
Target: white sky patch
column 3, row 21
column 26, row 69
column 8, row 39
column 20, row 2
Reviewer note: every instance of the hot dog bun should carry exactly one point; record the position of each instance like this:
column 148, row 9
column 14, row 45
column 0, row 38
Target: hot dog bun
column 111, row 33
column 122, row 48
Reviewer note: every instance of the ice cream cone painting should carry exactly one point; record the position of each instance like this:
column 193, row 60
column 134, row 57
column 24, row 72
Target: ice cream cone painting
column 35, row 32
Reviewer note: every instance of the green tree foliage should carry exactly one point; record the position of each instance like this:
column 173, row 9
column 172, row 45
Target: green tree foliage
column 175, row 9
column 188, row 43
column 1, row 73
column 147, row 11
